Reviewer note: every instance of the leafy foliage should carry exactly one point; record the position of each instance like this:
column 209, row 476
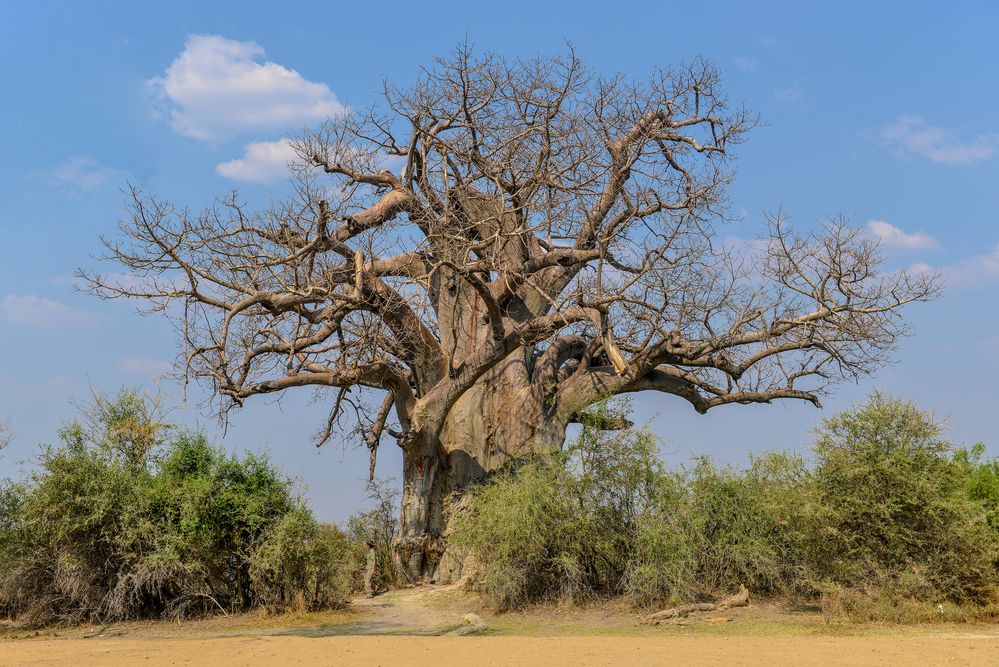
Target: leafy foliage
column 897, row 509
column 888, row 512
column 122, row 521
column 710, row 529
column 304, row 565
column 561, row 526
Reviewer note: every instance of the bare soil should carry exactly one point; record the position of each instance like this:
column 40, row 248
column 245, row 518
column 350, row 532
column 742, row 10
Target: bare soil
column 410, row 627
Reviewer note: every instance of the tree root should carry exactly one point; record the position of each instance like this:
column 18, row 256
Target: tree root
column 740, row 599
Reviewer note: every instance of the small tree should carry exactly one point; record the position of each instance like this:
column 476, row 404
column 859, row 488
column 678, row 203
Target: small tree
column 544, row 239
column 899, row 512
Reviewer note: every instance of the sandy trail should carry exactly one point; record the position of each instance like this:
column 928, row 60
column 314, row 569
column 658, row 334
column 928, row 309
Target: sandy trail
column 402, row 612
column 401, row 628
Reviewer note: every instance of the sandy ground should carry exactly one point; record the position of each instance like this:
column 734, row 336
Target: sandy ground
column 403, row 650
column 404, row 628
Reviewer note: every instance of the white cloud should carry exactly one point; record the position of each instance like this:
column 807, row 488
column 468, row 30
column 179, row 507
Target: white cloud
column 893, row 237
column 971, row 272
column 975, row 270
column 747, row 65
column 81, row 173
column 144, row 366
column 262, row 162
column 218, row 88
column 34, row 311
column 913, row 135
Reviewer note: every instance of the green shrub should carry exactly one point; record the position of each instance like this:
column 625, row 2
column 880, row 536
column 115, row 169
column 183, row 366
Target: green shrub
column 526, row 532
column 712, row 529
column 560, row 527
column 897, row 514
column 303, row 565
column 123, row 522
column 889, row 514
column 982, row 479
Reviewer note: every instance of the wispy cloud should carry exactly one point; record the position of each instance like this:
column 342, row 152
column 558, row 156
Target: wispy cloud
column 893, row 237
column 262, row 162
column 747, row 65
column 792, row 93
column 218, row 88
column 33, row 311
column 81, row 173
column 144, row 366
column 912, row 135
column 973, row 271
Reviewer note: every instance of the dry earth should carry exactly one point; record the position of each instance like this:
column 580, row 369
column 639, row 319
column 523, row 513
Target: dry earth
column 406, row 628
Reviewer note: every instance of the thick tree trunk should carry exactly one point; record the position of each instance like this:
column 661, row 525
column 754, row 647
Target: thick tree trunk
column 502, row 416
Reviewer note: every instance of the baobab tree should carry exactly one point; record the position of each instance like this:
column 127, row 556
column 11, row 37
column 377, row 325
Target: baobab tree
column 469, row 266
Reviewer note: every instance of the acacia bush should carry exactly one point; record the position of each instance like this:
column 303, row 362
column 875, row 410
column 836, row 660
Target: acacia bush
column 304, row 565
column 131, row 518
column 898, row 509
column 710, row 529
column 560, row 526
column 887, row 514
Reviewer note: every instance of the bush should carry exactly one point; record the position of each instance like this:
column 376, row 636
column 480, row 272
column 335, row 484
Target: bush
column 123, row 522
column 889, row 514
column 526, row 532
column 303, row 565
column 560, row 526
column 711, row 529
column 897, row 511
column 982, row 479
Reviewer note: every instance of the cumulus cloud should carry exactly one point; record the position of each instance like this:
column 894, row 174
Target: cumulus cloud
column 81, row 173
column 262, row 162
column 144, row 366
column 893, row 237
column 913, row 135
column 33, row 311
column 218, row 88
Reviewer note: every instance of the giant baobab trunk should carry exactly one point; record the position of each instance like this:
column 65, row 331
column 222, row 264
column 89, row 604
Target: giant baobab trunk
column 502, row 416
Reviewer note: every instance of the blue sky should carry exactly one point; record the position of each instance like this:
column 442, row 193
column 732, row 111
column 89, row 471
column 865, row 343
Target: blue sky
column 888, row 116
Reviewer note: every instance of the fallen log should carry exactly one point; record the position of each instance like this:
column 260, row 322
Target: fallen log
column 740, row 599
column 472, row 623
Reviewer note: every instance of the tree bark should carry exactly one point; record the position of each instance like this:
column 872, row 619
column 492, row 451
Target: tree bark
column 501, row 417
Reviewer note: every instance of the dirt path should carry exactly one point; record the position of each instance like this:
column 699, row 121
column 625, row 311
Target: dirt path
column 410, row 611
column 402, row 628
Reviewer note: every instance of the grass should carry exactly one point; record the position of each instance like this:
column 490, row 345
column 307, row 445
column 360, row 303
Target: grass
column 759, row 620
